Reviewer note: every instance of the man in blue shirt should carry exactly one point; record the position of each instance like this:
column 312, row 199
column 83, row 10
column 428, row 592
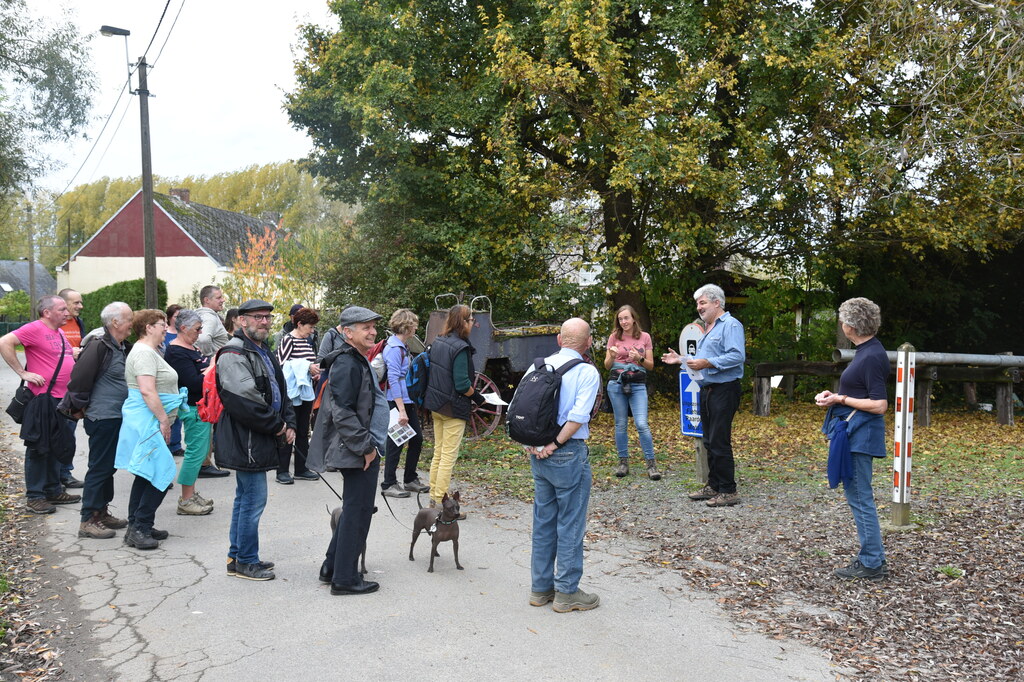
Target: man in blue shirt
column 561, row 479
column 720, row 356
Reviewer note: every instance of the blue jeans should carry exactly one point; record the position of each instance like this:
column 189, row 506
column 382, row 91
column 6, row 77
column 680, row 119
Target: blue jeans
column 175, row 443
column 861, row 499
column 98, row 489
column 561, row 492
column 250, row 500
column 622, row 404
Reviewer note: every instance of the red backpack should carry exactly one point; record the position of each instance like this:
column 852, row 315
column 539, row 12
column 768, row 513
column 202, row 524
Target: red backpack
column 210, row 406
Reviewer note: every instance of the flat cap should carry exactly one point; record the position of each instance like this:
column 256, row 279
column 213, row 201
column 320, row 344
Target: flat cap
column 355, row 314
column 254, row 304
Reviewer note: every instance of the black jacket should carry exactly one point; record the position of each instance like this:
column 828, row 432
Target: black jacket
column 441, row 395
column 343, row 436
column 245, row 437
column 92, row 362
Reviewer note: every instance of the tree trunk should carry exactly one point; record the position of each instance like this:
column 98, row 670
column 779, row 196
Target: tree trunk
column 620, row 220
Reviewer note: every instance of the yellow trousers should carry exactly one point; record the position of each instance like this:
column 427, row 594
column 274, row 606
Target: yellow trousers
column 448, row 433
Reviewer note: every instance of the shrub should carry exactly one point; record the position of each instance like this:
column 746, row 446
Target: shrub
column 132, row 292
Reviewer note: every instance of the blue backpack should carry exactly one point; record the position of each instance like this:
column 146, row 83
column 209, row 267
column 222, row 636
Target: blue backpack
column 418, row 376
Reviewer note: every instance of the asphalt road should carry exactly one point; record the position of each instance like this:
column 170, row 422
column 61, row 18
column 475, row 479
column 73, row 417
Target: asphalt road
column 173, row 614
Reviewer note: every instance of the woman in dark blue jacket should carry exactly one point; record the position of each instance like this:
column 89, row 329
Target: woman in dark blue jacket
column 862, row 402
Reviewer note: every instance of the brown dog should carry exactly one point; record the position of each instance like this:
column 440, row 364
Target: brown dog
column 335, row 519
column 441, row 525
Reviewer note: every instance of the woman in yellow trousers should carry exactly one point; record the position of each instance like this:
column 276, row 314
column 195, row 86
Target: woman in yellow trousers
column 450, row 395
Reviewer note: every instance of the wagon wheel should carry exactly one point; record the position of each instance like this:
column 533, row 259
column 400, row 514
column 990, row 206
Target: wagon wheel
column 483, row 419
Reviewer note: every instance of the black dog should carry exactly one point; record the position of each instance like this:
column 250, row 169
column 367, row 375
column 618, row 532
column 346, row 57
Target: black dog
column 441, row 526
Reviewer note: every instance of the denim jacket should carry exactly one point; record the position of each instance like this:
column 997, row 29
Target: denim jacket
column 865, row 430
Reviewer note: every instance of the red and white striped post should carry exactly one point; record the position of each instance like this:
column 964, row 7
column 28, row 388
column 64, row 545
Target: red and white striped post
column 904, row 434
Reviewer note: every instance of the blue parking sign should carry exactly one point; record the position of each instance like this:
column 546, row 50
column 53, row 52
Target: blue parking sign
column 689, row 406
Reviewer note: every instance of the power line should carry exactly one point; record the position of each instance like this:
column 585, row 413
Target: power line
column 169, row 32
column 156, row 30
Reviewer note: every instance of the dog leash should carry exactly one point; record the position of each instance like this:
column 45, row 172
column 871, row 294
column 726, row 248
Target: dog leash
column 324, row 479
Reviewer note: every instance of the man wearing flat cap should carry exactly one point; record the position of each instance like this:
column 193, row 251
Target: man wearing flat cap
column 257, row 417
column 349, row 436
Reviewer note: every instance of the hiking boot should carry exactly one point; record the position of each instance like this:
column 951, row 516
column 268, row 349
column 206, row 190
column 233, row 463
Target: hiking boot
column 577, row 601
column 623, row 468
column 159, row 534
column 63, row 498
column 307, row 476
column 705, row 493
column 723, row 500
column 652, row 471
column 284, row 478
column 233, row 566
column 858, row 571
column 133, row 537
column 417, row 486
column 542, row 598
column 253, row 572
column 94, row 528
column 72, row 482
column 395, row 491
column 39, row 506
column 192, row 507
column 111, row 521
column 202, row 500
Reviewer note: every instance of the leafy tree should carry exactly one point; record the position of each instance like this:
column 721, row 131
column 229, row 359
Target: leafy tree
column 16, row 305
column 45, row 88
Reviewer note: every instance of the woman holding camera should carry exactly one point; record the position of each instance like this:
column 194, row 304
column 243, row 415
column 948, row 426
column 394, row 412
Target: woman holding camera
column 630, row 356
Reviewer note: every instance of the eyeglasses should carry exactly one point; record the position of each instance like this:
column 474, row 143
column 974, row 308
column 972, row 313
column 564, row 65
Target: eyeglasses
column 261, row 316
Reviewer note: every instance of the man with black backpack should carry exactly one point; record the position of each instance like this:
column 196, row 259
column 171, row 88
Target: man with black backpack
column 561, row 469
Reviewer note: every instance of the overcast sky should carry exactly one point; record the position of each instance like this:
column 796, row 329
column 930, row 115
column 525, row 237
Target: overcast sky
column 218, row 86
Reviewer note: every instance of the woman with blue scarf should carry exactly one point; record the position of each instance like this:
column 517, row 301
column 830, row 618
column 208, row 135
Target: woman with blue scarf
column 855, row 423
column 153, row 403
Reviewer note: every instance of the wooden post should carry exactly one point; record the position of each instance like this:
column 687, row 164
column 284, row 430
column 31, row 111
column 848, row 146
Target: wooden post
column 700, row 463
column 971, row 394
column 1004, row 401
column 762, row 396
column 903, row 439
column 923, row 394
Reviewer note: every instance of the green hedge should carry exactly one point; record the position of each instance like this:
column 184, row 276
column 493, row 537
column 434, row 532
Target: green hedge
column 132, row 292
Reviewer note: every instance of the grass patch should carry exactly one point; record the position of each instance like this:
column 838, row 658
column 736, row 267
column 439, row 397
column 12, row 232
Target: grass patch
column 962, row 452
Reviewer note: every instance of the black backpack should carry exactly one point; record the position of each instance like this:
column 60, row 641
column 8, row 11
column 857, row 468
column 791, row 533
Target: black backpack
column 418, row 376
column 532, row 417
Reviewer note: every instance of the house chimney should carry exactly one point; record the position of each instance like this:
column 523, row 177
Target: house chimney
column 181, row 193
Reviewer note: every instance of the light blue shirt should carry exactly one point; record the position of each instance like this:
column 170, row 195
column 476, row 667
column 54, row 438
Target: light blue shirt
column 578, row 393
column 725, row 348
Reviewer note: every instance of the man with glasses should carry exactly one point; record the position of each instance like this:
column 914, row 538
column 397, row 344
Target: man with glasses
column 257, row 417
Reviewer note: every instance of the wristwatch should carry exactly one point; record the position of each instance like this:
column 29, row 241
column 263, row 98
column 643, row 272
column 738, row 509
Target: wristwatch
column 557, row 444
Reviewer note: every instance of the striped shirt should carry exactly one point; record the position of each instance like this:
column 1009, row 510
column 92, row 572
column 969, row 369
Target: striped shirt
column 294, row 348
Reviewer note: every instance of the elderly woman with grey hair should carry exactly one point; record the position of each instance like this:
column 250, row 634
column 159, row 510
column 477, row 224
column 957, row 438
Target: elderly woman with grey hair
column 96, row 391
column 191, row 366
column 861, row 402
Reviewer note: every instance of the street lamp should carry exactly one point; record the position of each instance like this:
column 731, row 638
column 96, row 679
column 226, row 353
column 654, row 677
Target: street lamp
column 148, row 230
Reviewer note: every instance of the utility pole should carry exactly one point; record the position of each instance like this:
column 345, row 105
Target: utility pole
column 31, row 258
column 148, row 230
